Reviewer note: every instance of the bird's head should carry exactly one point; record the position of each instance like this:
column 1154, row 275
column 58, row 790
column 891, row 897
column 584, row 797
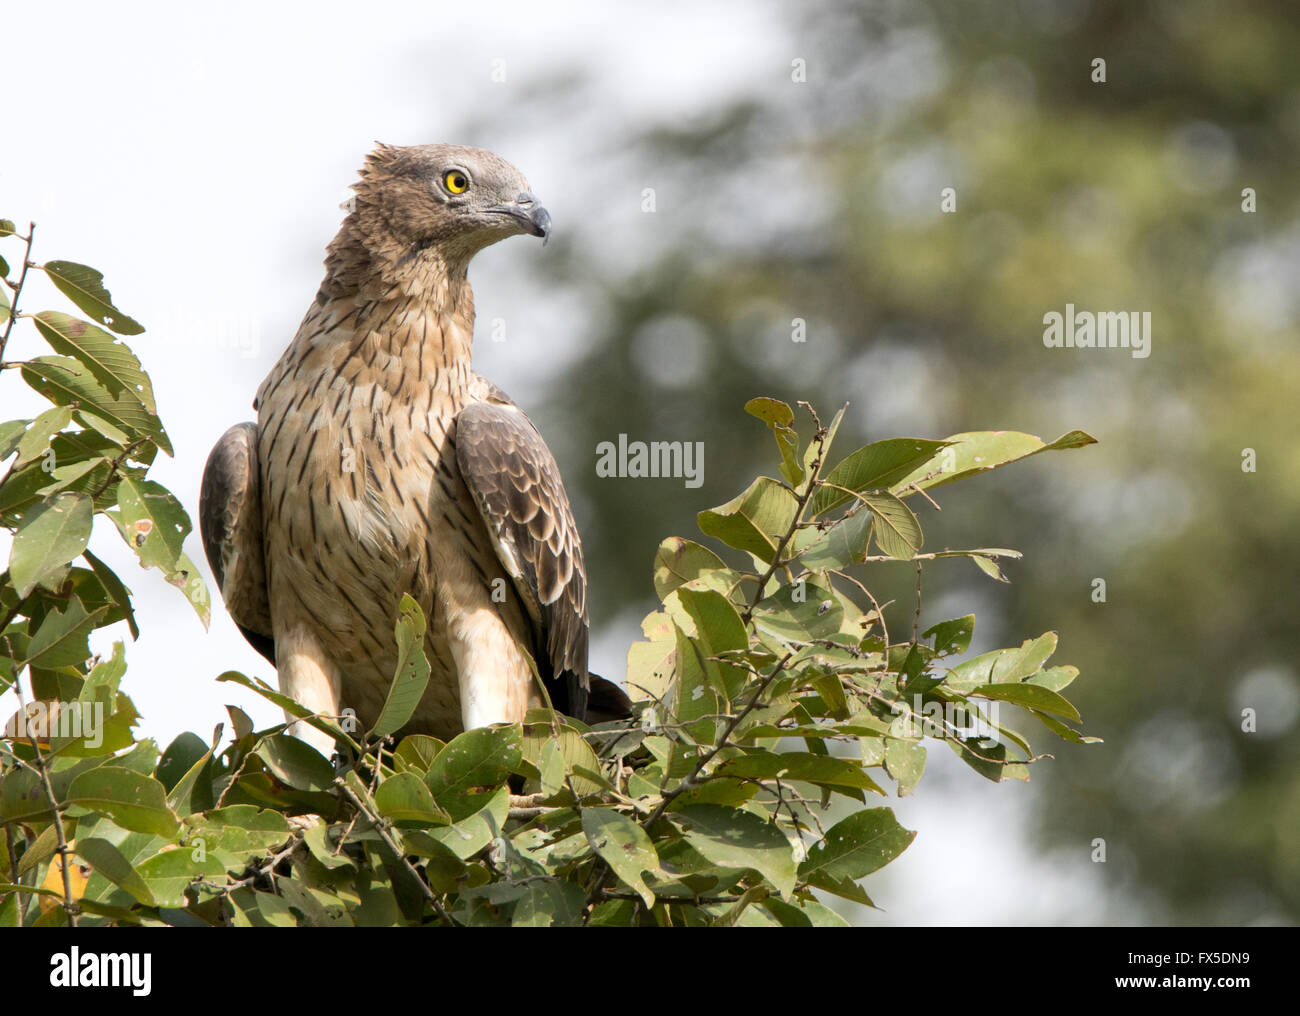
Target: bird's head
column 451, row 198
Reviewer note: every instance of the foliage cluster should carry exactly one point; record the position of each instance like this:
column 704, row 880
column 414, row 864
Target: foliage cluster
column 765, row 689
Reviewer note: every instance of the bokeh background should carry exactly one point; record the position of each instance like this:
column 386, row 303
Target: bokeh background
column 197, row 156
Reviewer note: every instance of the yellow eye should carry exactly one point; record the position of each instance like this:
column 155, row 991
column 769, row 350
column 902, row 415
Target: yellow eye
column 455, row 181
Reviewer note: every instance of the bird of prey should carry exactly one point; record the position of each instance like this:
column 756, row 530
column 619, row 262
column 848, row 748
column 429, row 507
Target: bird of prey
column 381, row 464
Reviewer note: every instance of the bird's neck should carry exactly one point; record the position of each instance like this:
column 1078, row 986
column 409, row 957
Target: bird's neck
column 409, row 304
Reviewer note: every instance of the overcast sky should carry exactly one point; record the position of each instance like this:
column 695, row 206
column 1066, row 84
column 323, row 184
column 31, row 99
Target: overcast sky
column 198, row 156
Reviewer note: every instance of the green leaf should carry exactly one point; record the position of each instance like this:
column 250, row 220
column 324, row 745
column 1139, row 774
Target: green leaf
column 419, row 750
column 568, row 752
column 773, row 412
column 64, row 381
column 877, row 466
column 22, row 798
column 652, row 664
column 696, row 704
column 989, row 567
column 48, row 538
column 406, row 798
column 755, row 520
column 980, row 451
column 841, row 546
column 951, row 637
column 154, row 525
column 905, row 762
column 170, row 871
column 779, row 416
column 61, row 640
column 470, row 834
column 290, row 706
column 7, row 227
column 473, row 764
column 412, row 674
column 898, row 533
column 1062, row 731
column 115, row 589
column 731, row 838
column 855, row 847
column 1054, row 678
column 241, row 830
column 714, row 626
column 678, row 561
column 800, row 612
column 85, row 287
column 551, row 768
column 11, row 433
column 1003, row 666
column 547, row 903
column 988, row 758
column 1031, row 696
column 804, row 914
column 130, row 799
column 82, row 463
column 295, row 763
column 102, row 682
column 824, row 770
column 109, row 359
column 185, row 770
column 625, row 847
column 739, row 913
column 106, row 859
column 36, row 441
column 152, row 522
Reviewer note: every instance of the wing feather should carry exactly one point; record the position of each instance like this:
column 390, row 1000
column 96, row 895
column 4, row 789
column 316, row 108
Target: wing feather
column 230, row 521
column 517, row 487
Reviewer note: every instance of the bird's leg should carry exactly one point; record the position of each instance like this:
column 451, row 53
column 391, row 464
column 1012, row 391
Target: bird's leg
column 309, row 677
column 496, row 683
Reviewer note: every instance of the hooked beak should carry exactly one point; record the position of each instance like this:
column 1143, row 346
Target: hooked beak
column 535, row 219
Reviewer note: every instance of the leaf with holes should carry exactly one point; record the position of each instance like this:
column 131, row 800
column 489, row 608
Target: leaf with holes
column 411, row 675
column 109, row 359
column 65, row 381
column 855, row 846
column 624, row 846
column 84, row 286
column 48, row 538
column 755, row 520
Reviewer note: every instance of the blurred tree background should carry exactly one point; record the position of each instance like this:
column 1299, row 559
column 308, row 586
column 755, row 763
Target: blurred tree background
column 819, row 200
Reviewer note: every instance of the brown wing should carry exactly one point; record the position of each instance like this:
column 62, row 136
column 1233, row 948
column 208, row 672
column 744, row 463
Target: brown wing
column 517, row 486
column 230, row 521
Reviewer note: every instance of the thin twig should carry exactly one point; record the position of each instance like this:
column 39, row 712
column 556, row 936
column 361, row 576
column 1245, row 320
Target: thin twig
column 70, row 906
column 13, row 869
column 116, row 464
column 803, row 499
column 398, row 853
column 916, row 618
column 18, row 290
column 690, row 781
column 880, row 612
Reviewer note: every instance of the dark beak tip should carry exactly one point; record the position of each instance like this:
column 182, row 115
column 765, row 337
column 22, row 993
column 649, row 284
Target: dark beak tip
column 541, row 221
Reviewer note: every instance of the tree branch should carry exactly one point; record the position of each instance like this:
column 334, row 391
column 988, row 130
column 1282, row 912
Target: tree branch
column 70, row 906
column 18, row 290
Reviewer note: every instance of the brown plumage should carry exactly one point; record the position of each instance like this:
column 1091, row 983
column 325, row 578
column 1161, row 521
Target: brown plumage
column 381, row 464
